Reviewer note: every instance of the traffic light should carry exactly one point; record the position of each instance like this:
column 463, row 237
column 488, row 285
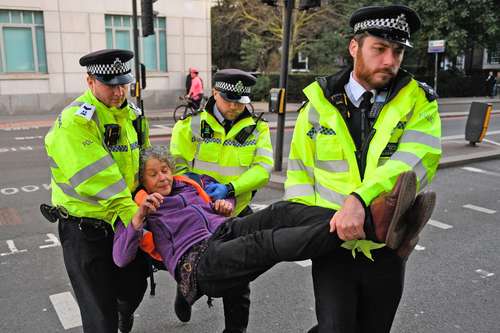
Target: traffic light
column 270, row 2
column 307, row 4
column 148, row 17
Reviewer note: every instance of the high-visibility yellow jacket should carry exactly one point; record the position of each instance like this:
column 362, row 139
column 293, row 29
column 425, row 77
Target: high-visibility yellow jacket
column 322, row 166
column 88, row 178
column 246, row 166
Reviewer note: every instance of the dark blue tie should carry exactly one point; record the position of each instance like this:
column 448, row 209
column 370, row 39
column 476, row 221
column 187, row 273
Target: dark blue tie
column 364, row 108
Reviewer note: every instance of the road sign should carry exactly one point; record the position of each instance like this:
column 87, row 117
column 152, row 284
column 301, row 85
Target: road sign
column 436, row 46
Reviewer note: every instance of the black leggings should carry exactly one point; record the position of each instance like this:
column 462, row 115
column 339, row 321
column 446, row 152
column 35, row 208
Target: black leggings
column 352, row 295
column 243, row 248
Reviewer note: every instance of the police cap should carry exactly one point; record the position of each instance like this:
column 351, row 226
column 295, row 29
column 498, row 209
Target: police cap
column 234, row 85
column 110, row 66
column 394, row 23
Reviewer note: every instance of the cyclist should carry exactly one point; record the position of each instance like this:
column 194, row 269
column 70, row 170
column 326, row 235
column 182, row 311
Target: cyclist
column 195, row 93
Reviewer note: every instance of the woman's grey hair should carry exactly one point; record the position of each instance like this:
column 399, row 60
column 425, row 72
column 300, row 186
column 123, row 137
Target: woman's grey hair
column 161, row 153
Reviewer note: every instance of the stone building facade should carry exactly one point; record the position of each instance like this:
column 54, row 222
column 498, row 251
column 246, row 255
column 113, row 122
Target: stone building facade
column 42, row 40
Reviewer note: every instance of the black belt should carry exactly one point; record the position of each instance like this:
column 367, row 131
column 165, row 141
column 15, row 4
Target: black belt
column 59, row 213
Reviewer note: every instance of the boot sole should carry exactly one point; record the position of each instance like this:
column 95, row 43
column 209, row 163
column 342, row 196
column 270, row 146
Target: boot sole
column 424, row 207
column 398, row 226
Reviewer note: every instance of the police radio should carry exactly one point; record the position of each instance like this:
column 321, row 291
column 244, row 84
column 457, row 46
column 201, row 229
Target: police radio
column 111, row 134
column 340, row 102
column 243, row 135
column 206, row 131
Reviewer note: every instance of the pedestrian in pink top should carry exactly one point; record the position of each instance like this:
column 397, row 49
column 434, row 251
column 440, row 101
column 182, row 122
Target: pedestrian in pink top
column 196, row 90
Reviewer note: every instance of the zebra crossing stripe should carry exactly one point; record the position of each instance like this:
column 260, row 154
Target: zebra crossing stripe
column 67, row 309
column 485, row 172
column 480, row 209
column 304, row 263
column 440, row 225
column 257, row 207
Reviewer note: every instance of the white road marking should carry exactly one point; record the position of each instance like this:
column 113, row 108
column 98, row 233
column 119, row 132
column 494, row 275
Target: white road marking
column 480, row 209
column 162, row 126
column 491, row 173
column 304, row 263
column 67, row 309
column 25, row 188
column 257, row 207
column 484, row 274
column 492, row 142
column 8, row 129
column 8, row 149
column 13, row 249
column 28, row 137
column 419, row 248
column 52, row 240
column 440, row 225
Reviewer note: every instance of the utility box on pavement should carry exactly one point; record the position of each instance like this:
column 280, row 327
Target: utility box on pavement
column 477, row 122
column 277, row 100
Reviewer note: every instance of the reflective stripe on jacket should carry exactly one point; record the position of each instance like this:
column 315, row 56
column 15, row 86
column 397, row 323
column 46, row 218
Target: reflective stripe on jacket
column 89, row 178
column 247, row 166
column 322, row 166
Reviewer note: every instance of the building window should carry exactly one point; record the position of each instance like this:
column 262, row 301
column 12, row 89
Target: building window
column 493, row 57
column 153, row 49
column 22, row 42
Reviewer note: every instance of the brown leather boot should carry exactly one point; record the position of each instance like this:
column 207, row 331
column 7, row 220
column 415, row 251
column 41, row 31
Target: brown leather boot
column 417, row 216
column 387, row 210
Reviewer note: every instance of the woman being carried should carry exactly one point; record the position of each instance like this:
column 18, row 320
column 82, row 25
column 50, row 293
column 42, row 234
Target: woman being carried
column 210, row 254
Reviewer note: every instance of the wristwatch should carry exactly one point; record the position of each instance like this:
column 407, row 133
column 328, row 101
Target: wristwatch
column 230, row 190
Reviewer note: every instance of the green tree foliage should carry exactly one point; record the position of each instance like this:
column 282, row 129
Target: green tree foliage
column 260, row 32
column 464, row 24
column 248, row 33
column 227, row 35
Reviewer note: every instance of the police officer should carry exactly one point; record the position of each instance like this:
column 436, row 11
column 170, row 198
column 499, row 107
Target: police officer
column 93, row 153
column 233, row 146
column 359, row 131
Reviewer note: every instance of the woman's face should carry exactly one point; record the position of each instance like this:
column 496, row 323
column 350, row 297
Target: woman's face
column 157, row 177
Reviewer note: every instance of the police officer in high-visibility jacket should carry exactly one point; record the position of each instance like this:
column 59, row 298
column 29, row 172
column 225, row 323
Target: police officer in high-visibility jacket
column 230, row 144
column 359, row 131
column 226, row 141
column 93, row 152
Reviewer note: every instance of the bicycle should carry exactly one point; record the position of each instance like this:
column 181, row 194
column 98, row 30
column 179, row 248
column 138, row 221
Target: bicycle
column 186, row 107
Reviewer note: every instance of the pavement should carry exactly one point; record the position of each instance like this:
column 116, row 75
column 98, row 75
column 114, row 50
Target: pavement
column 456, row 150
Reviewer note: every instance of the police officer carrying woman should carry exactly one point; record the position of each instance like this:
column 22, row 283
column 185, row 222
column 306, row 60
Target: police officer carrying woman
column 232, row 145
column 361, row 130
column 93, row 152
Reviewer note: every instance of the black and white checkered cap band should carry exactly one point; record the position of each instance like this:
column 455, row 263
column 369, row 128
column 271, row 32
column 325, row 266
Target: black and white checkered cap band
column 398, row 23
column 116, row 68
column 238, row 88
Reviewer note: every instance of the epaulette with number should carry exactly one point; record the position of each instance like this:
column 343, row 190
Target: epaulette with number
column 255, row 117
column 86, row 111
column 137, row 110
column 302, row 106
column 429, row 92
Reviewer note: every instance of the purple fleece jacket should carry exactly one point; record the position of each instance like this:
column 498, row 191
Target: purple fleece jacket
column 182, row 221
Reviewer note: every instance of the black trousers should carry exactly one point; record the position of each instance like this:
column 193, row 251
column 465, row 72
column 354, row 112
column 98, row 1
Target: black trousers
column 351, row 295
column 357, row 295
column 243, row 248
column 237, row 302
column 102, row 289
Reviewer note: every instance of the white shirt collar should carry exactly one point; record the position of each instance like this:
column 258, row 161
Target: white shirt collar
column 355, row 90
